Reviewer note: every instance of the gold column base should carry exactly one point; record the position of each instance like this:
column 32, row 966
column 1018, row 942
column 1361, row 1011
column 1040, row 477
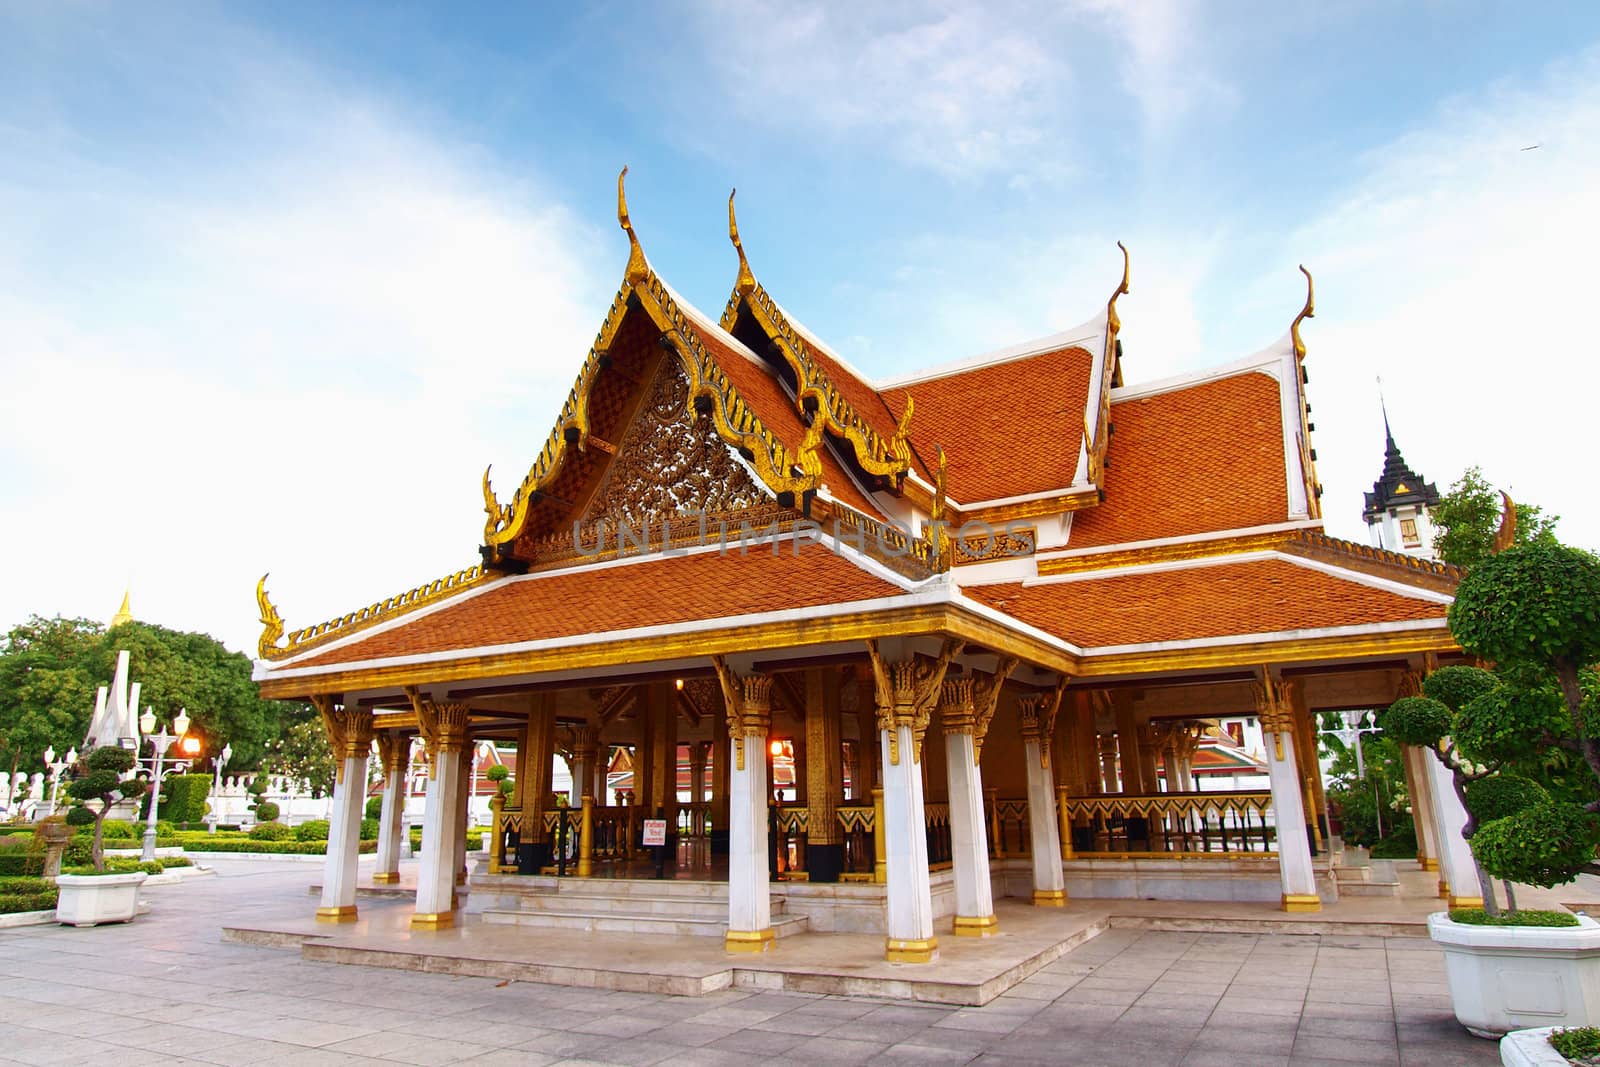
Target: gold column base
column 976, row 926
column 1464, row 902
column 1301, row 902
column 1429, row 863
column 880, row 873
column 1049, row 898
column 386, row 878
column 921, row 950
column 433, row 920
column 1444, row 889
column 748, row 940
column 344, row 913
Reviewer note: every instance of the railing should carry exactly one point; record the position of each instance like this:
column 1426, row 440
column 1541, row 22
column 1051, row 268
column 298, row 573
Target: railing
column 858, row 825
column 694, row 819
column 1008, row 828
column 787, row 827
column 936, row 817
column 615, row 832
column 504, row 838
column 1196, row 823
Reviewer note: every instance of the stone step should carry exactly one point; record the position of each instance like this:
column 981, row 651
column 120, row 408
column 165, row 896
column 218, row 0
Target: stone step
column 602, row 903
column 1369, row 889
column 612, row 887
column 610, row 922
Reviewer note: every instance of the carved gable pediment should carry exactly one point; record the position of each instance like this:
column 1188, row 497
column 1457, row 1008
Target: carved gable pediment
column 671, row 461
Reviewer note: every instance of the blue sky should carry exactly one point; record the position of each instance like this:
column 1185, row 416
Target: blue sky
column 278, row 280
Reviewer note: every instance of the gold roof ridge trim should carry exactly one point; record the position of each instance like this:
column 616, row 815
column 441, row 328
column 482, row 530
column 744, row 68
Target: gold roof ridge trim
column 391, row 607
column 873, row 453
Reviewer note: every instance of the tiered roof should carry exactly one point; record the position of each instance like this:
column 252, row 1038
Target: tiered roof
column 1174, row 524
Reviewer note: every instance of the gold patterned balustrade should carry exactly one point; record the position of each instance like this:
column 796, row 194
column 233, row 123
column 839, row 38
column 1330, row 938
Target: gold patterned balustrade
column 858, row 824
column 1008, row 826
column 506, row 833
column 1165, row 824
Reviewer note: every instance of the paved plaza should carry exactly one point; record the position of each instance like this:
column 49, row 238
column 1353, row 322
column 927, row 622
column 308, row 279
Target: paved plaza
column 167, row 989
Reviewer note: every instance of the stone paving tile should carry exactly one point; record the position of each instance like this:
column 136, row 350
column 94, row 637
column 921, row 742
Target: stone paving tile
column 1125, row 997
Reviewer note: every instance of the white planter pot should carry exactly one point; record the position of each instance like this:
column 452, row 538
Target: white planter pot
column 88, row 899
column 1530, row 1048
column 1505, row 978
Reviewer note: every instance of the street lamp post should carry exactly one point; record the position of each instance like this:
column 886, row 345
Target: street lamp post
column 220, row 762
column 56, row 767
column 159, row 743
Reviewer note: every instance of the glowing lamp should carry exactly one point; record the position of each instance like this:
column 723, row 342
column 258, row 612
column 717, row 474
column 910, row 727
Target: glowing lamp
column 147, row 721
column 776, row 747
column 190, row 746
column 181, row 723
column 678, row 683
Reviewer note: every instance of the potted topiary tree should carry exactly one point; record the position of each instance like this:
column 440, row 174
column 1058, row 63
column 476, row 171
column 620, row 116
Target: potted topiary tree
column 1533, row 611
column 90, row 899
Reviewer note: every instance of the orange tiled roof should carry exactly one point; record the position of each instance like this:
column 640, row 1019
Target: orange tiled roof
column 595, row 600
column 1007, row 429
column 1223, row 600
column 1195, row 460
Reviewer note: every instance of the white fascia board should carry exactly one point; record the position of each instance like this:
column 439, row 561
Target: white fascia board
column 1078, row 336
column 935, row 594
column 1183, row 539
column 1202, row 562
column 1267, row 361
column 1289, row 396
column 1358, row 630
column 996, row 572
column 1011, row 622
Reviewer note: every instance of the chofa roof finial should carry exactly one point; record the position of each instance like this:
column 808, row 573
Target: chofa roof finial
column 1506, row 536
column 1307, row 312
column 638, row 269
column 746, row 280
column 1113, row 321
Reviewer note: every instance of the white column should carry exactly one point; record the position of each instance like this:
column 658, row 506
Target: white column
column 1422, row 818
column 969, row 845
column 445, row 727
column 910, row 914
column 1037, row 713
column 749, row 891
column 1294, row 846
column 349, row 732
column 392, row 751
column 1458, row 874
column 458, row 858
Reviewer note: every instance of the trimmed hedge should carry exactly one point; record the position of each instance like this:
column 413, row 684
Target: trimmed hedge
column 1531, row 917
column 271, row 831
column 312, row 830
column 300, row 848
column 7, row 831
column 41, row 899
column 183, row 798
column 20, row 863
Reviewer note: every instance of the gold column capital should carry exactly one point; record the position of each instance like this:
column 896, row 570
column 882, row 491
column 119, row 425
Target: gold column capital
column 747, row 702
column 1037, row 713
column 906, row 691
column 443, row 726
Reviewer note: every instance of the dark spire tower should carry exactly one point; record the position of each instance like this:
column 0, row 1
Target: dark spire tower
column 1397, row 509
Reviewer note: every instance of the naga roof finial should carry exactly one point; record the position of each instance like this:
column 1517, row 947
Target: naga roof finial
column 746, row 280
column 271, row 621
column 638, row 269
column 492, row 507
column 1307, row 312
column 1113, row 321
column 1506, row 536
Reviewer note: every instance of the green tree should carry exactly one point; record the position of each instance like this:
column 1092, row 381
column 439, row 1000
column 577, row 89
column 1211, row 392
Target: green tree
column 302, row 753
column 100, row 779
column 49, row 670
column 1468, row 517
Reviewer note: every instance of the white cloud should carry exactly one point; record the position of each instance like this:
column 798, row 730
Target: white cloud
column 299, row 359
column 1460, row 270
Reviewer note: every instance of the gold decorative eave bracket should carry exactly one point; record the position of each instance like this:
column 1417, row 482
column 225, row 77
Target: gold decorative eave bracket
column 815, row 391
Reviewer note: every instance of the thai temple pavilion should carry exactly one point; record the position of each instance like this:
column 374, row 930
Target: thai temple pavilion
column 977, row 618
